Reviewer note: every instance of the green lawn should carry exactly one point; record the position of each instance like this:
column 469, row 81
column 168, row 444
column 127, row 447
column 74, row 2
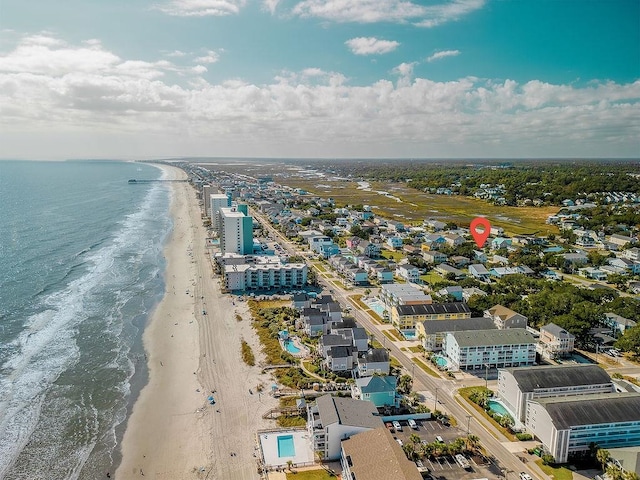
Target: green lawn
column 557, row 473
column 396, row 256
column 320, row 474
column 425, row 368
column 431, row 277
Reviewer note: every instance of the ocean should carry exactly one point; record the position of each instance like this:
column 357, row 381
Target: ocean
column 81, row 268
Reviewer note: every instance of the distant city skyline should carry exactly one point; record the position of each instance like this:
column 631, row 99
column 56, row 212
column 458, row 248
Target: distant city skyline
column 320, row 78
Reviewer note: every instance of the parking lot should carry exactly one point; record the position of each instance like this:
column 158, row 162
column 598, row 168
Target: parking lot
column 445, row 467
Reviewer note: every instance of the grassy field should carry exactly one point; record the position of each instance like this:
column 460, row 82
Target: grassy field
column 415, row 206
column 431, row 278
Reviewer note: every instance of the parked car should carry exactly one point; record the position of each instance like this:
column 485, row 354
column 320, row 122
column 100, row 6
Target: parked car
column 412, row 423
column 439, row 439
column 397, row 426
column 525, row 476
column 390, row 427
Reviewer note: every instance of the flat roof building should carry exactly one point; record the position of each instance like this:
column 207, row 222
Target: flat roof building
column 570, row 424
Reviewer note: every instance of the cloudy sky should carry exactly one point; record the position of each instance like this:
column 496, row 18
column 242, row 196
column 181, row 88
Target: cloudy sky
column 319, row 78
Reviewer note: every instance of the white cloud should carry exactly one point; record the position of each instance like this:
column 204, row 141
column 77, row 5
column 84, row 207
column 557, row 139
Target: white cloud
column 63, row 94
column 397, row 11
column 371, row 45
column 209, row 57
column 270, row 5
column 202, row 8
column 176, row 53
column 443, row 54
column 438, row 14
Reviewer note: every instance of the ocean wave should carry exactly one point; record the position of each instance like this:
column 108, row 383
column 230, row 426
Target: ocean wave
column 86, row 317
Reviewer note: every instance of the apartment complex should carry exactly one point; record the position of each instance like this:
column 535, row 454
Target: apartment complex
column 236, row 230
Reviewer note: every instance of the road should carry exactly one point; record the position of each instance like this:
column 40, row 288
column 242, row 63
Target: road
column 444, row 390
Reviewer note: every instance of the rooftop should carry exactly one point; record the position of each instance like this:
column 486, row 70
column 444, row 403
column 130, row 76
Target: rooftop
column 553, row 376
column 596, row 409
column 510, row 336
column 375, row 455
column 433, row 309
column 347, row 411
column 466, row 324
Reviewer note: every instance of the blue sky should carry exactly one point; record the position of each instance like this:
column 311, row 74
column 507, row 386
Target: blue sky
column 315, row 78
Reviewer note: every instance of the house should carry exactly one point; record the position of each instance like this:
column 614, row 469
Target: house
column 301, row 301
column 432, row 332
column 575, row 259
column 467, row 293
column 632, row 254
column 500, row 242
column 454, row 240
column 592, row 273
column 375, row 455
column 555, row 341
column 517, row 386
column 394, row 242
column 333, row 419
column 433, row 242
column 434, row 225
column 479, row 349
column 374, row 361
column 624, row 265
column 454, row 291
column 617, row 323
column 479, row 256
column 433, row 256
column 500, row 272
column 569, row 425
column 408, row 272
column 405, row 317
column 620, row 240
column 446, row 269
column 340, row 358
column 504, row 317
column 380, row 390
column 327, row 342
column 370, row 249
column 479, row 272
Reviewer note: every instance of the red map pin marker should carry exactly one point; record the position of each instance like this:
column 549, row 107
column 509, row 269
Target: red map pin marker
column 480, row 237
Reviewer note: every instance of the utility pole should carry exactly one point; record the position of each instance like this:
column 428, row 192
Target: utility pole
column 435, row 401
column 468, row 421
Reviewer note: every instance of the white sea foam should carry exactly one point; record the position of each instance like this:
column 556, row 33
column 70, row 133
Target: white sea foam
column 48, row 345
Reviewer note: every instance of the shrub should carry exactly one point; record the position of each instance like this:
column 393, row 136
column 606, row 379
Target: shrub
column 524, row 436
column 247, row 354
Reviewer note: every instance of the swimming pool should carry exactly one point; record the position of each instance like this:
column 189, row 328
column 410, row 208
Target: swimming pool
column 285, row 446
column 498, row 408
column 290, row 347
column 377, row 307
column 440, row 361
column 409, row 334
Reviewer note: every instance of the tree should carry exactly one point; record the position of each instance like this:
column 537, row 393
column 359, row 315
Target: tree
column 630, row 340
column 603, row 457
column 410, row 450
column 473, row 443
column 404, row 384
column 415, row 439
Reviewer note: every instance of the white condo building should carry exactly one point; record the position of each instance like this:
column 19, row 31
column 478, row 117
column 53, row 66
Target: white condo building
column 236, row 231
column 216, row 202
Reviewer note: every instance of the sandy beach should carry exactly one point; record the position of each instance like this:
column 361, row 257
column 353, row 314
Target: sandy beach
column 173, row 432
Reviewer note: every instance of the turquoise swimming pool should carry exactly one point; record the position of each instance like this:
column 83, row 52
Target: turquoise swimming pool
column 285, row 446
column 498, row 408
column 291, row 348
column 441, row 361
column 409, row 334
column 377, row 307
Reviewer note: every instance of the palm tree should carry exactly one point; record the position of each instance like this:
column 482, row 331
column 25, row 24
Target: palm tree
column 603, row 457
column 415, row 439
column 457, row 446
column 473, row 443
column 427, row 449
column 409, row 450
column 614, row 473
column 630, row 476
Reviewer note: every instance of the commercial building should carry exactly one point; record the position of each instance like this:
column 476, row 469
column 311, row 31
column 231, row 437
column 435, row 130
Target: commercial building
column 395, row 294
column 236, row 231
column 433, row 332
column 333, row 419
column 478, row 349
column 517, row 386
column 571, row 424
column 375, row 455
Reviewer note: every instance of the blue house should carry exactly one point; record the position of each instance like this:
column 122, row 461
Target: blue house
column 381, row 391
column 394, row 242
column 500, row 242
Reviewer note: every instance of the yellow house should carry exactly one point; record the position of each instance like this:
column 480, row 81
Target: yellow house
column 406, row 317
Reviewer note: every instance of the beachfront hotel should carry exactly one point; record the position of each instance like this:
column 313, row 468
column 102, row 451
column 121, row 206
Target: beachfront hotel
column 217, row 201
column 259, row 272
column 236, row 230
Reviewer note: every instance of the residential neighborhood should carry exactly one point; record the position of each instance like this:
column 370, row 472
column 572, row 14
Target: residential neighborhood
column 540, row 332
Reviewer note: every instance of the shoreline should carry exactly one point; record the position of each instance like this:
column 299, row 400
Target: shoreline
column 173, row 432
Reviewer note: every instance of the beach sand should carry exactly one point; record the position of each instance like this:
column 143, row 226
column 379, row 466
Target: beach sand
column 173, row 432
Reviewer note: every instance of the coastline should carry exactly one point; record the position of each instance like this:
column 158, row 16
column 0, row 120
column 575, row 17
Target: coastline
column 173, row 432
